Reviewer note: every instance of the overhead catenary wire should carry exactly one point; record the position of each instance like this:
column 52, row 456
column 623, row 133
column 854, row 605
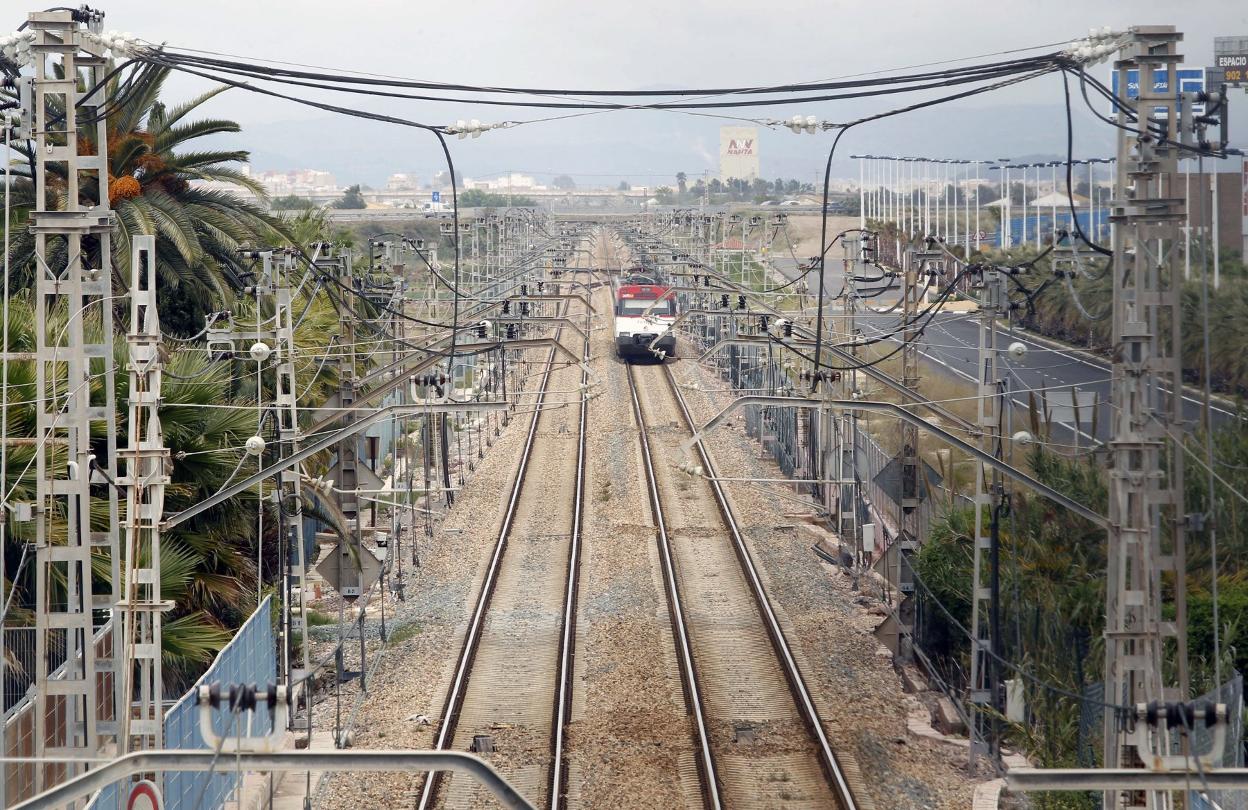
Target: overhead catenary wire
column 325, row 80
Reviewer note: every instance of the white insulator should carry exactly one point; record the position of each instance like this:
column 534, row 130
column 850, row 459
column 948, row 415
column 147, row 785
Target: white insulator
column 255, row 445
column 1017, row 350
column 260, row 351
column 1023, row 437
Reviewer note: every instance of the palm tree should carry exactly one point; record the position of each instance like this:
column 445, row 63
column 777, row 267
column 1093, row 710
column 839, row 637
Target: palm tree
column 204, row 567
column 188, row 197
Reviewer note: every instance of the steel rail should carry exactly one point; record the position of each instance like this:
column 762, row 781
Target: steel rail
column 680, row 632
column 463, row 668
column 797, row 684
column 567, row 644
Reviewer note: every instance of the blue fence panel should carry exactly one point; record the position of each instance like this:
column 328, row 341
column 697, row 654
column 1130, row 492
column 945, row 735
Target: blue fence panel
column 250, row 657
column 1096, row 227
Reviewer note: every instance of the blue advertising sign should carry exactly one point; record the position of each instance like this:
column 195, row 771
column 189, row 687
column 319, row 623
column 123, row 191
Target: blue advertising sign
column 437, row 196
column 1191, row 80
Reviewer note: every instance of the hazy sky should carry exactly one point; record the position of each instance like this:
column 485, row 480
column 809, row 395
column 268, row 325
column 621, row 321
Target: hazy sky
column 647, row 43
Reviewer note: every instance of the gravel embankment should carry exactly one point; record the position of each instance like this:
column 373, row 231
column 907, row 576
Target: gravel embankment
column 855, row 687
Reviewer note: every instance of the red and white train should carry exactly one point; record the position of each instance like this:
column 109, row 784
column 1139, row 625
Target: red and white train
column 644, row 310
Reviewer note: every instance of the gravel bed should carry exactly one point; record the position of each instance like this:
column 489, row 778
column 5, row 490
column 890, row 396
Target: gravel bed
column 630, row 731
column 850, row 674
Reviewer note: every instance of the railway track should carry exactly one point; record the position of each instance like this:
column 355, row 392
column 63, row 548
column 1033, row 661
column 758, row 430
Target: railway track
column 758, row 735
column 510, row 691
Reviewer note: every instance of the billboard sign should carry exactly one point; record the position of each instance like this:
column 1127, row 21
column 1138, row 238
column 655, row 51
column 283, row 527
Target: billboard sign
column 1191, row 80
column 1230, row 55
column 738, row 153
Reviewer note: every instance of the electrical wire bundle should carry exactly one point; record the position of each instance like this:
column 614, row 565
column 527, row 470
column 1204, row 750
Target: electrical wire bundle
column 263, row 76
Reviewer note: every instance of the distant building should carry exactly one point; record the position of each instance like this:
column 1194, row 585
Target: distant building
column 401, row 181
column 738, row 153
column 299, row 182
column 507, row 182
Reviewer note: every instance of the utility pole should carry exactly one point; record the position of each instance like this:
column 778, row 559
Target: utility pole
column 75, row 714
column 1147, row 520
column 985, row 644
column 146, row 474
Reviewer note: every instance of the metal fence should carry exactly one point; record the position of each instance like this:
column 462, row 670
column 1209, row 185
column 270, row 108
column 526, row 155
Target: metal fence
column 1091, row 719
column 19, row 669
column 21, row 775
column 1232, row 694
column 251, row 658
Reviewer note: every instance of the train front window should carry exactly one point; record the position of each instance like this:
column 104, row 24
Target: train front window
column 636, row 307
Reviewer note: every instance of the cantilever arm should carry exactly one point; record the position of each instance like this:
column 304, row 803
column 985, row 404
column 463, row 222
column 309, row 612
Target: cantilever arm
column 379, row 391
column 320, row 443
column 682, row 317
column 561, row 320
column 561, row 297
column 751, row 340
column 896, row 410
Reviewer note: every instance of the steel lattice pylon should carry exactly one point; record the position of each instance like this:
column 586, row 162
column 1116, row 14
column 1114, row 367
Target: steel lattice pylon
column 75, row 714
column 146, row 474
column 1146, row 511
column 276, row 283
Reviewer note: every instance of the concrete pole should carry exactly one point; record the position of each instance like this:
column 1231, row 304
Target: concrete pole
column 1072, row 191
column 1187, row 220
column 1023, row 239
column 1217, row 243
column 978, row 242
column 1006, row 208
column 862, row 196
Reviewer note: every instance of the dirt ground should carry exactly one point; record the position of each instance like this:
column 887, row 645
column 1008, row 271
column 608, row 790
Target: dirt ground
column 804, row 230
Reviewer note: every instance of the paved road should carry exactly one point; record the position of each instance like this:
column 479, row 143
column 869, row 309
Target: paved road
column 951, row 344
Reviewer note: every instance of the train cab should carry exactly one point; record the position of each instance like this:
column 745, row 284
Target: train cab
column 644, row 310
